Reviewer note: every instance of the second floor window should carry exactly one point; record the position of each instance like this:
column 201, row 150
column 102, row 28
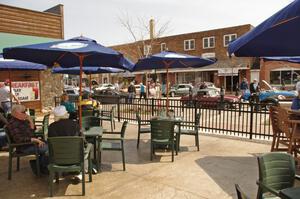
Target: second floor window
column 147, row 50
column 228, row 38
column 189, row 44
column 163, row 47
column 208, row 42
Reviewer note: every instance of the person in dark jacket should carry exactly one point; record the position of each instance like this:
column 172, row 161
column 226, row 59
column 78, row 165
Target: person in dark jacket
column 244, row 85
column 63, row 126
column 21, row 127
column 254, row 91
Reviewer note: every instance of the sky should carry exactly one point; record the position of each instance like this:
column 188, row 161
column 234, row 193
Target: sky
column 100, row 19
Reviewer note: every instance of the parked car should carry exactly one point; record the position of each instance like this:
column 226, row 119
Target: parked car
column 105, row 87
column 208, row 85
column 209, row 98
column 180, row 90
column 272, row 95
column 110, row 96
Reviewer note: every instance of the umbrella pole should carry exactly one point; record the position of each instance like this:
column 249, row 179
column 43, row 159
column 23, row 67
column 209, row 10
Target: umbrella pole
column 81, row 57
column 167, row 87
column 10, row 88
column 90, row 83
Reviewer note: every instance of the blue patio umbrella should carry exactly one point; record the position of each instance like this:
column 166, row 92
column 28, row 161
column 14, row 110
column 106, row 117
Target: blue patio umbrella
column 169, row 59
column 295, row 59
column 79, row 51
column 86, row 70
column 11, row 65
column 276, row 36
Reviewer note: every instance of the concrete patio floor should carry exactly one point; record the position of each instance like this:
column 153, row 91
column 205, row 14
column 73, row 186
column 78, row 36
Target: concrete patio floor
column 208, row 173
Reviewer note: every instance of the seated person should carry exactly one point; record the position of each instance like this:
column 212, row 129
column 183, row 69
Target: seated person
column 296, row 101
column 21, row 129
column 69, row 106
column 63, row 126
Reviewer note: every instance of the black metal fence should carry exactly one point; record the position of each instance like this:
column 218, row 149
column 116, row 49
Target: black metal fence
column 241, row 119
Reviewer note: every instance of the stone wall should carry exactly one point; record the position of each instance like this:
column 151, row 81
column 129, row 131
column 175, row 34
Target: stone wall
column 51, row 86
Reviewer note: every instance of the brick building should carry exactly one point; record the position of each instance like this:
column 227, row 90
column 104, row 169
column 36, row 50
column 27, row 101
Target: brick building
column 22, row 26
column 209, row 44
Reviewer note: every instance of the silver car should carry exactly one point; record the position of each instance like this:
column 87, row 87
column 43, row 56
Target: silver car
column 180, row 90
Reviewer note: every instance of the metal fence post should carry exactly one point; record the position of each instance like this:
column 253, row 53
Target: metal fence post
column 152, row 106
column 196, row 107
column 251, row 119
column 118, row 109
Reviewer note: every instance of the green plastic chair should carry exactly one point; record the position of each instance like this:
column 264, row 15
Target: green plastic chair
column 190, row 128
column 90, row 121
column 42, row 132
column 67, row 154
column 162, row 133
column 108, row 116
column 276, row 172
column 240, row 194
column 14, row 153
column 114, row 143
column 143, row 127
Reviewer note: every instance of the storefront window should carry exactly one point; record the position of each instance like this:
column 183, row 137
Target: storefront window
column 286, row 77
column 275, row 77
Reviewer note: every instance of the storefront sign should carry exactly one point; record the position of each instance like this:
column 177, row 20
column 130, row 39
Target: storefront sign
column 228, row 72
column 26, row 91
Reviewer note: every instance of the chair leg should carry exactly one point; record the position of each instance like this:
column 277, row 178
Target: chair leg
column 83, row 180
column 38, row 165
column 18, row 163
column 138, row 141
column 151, row 152
column 100, row 157
column 90, row 168
column 173, row 152
column 50, row 183
column 123, row 156
column 111, row 126
column 114, row 124
column 197, row 141
column 9, row 167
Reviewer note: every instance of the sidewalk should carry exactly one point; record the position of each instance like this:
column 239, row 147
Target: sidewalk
column 208, row 173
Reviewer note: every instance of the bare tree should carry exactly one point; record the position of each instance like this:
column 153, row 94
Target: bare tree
column 140, row 30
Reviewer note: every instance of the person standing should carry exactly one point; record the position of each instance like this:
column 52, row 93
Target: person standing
column 131, row 91
column 244, row 85
column 254, row 91
column 117, row 87
column 5, row 96
column 142, row 91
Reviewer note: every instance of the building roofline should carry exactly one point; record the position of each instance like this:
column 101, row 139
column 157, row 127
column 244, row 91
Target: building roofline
column 184, row 34
column 35, row 11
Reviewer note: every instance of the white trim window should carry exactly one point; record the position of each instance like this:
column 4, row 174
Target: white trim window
column 147, row 50
column 208, row 42
column 228, row 38
column 163, row 47
column 189, row 44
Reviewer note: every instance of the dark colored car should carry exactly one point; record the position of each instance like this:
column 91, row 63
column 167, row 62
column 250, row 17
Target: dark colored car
column 110, row 96
column 209, row 98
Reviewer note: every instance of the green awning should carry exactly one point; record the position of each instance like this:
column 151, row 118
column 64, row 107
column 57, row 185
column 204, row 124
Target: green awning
column 12, row 40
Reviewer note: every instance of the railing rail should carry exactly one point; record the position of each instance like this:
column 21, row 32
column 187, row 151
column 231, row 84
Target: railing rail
column 243, row 119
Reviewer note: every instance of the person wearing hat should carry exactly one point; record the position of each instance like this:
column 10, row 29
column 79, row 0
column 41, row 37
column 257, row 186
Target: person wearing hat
column 5, row 96
column 62, row 125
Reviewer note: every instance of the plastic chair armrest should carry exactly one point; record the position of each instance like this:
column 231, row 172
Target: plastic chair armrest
column 22, row 144
column 111, row 133
column 262, row 185
column 117, row 139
